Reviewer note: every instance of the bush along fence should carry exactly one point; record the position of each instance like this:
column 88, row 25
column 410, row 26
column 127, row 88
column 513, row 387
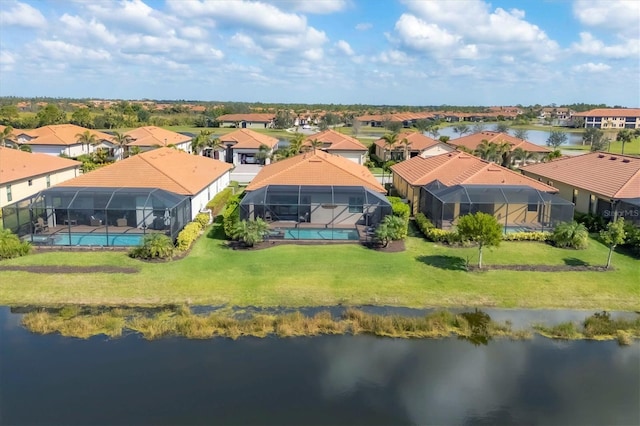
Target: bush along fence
column 218, row 202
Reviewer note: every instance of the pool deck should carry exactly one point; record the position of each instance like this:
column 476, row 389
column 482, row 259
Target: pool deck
column 278, row 228
column 45, row 237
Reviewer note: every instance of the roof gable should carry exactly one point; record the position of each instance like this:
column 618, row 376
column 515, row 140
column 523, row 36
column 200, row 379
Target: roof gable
column 315, row 169
column 62, row 134
column 164, row 168
column 155, row 136
column 248, row 139
column 417, row 141
column 336, row 141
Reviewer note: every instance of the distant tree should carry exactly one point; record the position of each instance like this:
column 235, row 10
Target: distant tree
column 553, row 155
column 25, row 148
column 501, row 127
column 262, row 154
column 422, row 125
column 433, row 130
column 461, row 129
column 315, row 144
column 295, row 144
column 478, row 127
column 521, row 134
column 394, row 126
column 556, row 138
column 87, row 138
column 50, row 114
column 9, row 114
column 591, row 136
column 6, row 137
column 284, row 119
column 331, row 119
column 624, row 136
column 200, row 142
column 356, row 125
column 480, row 228
column 82, row 117
column 444, row 139
column 134, row 150
column 406, row 145
column 612, row 236
column 121, row 140
column 487, row 151
column 576, row 122
column 143, row 115
column 390, row 140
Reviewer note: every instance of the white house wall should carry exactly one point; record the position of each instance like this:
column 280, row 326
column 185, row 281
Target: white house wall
column 355, row 156
column 200, row 200
column 21, row 189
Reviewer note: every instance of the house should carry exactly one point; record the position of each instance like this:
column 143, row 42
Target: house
column 316, row 195
column 155, row 191
column 151, row 137
column 23, row 174
column 442, row 186
column 471, row 142
column 243, row 121
column 611, row 118
column 607, row 185
column 556, row 116
column 417, row 144
column 407, row 119
column 244, row 146
column 58, row 139
column 339, row 144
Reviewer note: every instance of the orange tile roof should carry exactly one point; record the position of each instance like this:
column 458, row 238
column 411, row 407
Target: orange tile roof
column 418, row 141
column 610, row 175
column 610, row 112
column 165, row 168
column 155, row 136
column 19, row 165
column 248, row 139
column 406, row 116
column 315, row 169
column 336, row 141
column 61, row 134
column 461, row 168
column 256, row 118
column 471, row 142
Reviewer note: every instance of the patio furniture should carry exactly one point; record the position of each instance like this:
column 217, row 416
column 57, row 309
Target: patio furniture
column 95, row 222
column 122, row 222
column 40, row 226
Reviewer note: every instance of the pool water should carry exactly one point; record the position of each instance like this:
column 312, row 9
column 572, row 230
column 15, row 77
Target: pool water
column 321, row 234
column 78, row 239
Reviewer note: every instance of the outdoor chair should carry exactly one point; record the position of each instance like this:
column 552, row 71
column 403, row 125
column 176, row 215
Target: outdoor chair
column 40, row 226
column 95, row 222
column 122, row 222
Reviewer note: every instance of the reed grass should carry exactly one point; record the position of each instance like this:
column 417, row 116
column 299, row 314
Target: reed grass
column 179, row 320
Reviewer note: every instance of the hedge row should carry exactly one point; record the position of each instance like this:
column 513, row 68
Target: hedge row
column 191, row 231
column 231, row 215
column 541, row 236
column 11, row 246
column 218, row 202
column 399, row 207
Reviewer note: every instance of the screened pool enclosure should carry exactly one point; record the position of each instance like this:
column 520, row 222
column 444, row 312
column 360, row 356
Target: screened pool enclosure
column 316, row 212
column 72, row 216
column 516, row 207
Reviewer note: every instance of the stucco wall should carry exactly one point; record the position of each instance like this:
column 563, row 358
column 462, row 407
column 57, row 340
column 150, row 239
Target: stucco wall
column 21, row 189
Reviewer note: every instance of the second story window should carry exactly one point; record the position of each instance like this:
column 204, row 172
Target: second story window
column 9, row 196
column 48, row 181
column 30, row 182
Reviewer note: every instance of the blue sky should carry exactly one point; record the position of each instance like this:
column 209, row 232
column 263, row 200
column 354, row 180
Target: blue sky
column 425, row 52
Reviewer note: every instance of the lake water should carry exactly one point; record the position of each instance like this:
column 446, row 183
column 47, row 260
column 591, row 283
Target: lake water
column 328, row 380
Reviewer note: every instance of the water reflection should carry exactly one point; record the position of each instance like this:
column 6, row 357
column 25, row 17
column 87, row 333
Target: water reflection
column 322, row 380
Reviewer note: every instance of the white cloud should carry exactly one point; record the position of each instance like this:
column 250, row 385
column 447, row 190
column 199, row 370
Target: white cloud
column 21, row 14
column 589, row 45
column 75, row 25
column 393, row 57
column 7, row 60
column 421, row 35
column 133, row 15
column 65, row 52
column 622, row 16
column 364, row 26
column 592, row 68
column 316, row 6
column 345, row 48
column 192, row 32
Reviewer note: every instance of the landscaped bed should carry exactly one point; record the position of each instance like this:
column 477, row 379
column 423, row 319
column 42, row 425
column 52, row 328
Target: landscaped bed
column 425, row 274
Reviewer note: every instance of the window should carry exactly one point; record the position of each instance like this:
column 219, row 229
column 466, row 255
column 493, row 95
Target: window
column 48, row 181
column 532, row 207
column 30, row 182
column 9, row 196
column 355, row 204
column 575, row 196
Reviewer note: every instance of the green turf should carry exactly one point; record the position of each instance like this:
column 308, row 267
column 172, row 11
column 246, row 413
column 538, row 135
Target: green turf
column 424, row 275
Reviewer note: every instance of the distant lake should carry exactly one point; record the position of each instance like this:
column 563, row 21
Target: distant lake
column 328, row 380
column 538, row 137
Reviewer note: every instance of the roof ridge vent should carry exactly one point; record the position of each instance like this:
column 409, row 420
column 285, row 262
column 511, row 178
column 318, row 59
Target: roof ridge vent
column 600, row 155
column 626, row 160
column 613, row 158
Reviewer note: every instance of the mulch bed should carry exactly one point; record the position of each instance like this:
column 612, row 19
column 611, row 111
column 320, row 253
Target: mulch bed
column 67, row 269
column 540, row 268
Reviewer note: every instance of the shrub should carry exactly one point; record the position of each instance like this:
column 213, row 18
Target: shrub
column 570, row 235
column 202, row 219
column 188, row 235
column 217, row 203
column 632, row 241
column 231, row 215
column 592, row 222
column 541, row 236
column 154, row 246
column 11, row 246
column 432, row 233
column 250, row 231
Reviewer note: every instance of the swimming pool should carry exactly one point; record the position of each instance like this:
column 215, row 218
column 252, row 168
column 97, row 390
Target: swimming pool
column 321, row 234
column 79, row 239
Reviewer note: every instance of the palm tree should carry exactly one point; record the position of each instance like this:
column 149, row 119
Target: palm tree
column 461, row 129
column 315, row 144
column 7, row 139
column 486, row 150
column 406, row 146
column 518, row 154
column 390, row 140
column 262, row 154
column 200, row 142
column 121, row 140
column 215, row 144
column 296, row 143
column 87, row 138
column 504, row 153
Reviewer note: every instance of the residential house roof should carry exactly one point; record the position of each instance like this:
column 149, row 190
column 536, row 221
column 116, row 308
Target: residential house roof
column 315, row 168
column 418, row 141
column 461, row 168
column 336, row 141
column 164, row 168
column 610, row 175
column 61, row 134
column 471, row 142
column 155, row 136
column 405, row 116
column 18, row 165
column 610, row 112
column 253, row 117
column 248, row 139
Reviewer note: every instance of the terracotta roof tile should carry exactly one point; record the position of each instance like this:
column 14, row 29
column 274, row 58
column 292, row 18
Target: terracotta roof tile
column 18, row 165
column 61, row 134
column 610, row 112
column 248, row 139
column 256, row 117
column 336, row 141
column 419, row 142
column 610, row 175
column 461, row 168
column 164, row 168
column 471, row 142
column 155, row 136
column 315, row 169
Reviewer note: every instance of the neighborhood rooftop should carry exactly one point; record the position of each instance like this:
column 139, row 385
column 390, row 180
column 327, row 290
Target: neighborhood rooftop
column 61, row 134
column 417, row 141
column 155, row 136
column 16, row 165
column 337, row 141
column 248, row 139
column 471, row 142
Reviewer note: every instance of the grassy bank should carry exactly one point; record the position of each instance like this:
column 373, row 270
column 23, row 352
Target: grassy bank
column 424, row 275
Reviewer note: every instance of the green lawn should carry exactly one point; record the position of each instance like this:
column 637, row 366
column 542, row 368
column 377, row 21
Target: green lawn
column 631, row 148
column 425, row 275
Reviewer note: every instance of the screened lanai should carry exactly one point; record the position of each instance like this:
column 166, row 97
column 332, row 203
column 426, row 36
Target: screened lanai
column 75, row 216
column 517, row 207
column 341, row 209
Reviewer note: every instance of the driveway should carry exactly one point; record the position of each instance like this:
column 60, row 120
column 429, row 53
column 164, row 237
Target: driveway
column 244, row 173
